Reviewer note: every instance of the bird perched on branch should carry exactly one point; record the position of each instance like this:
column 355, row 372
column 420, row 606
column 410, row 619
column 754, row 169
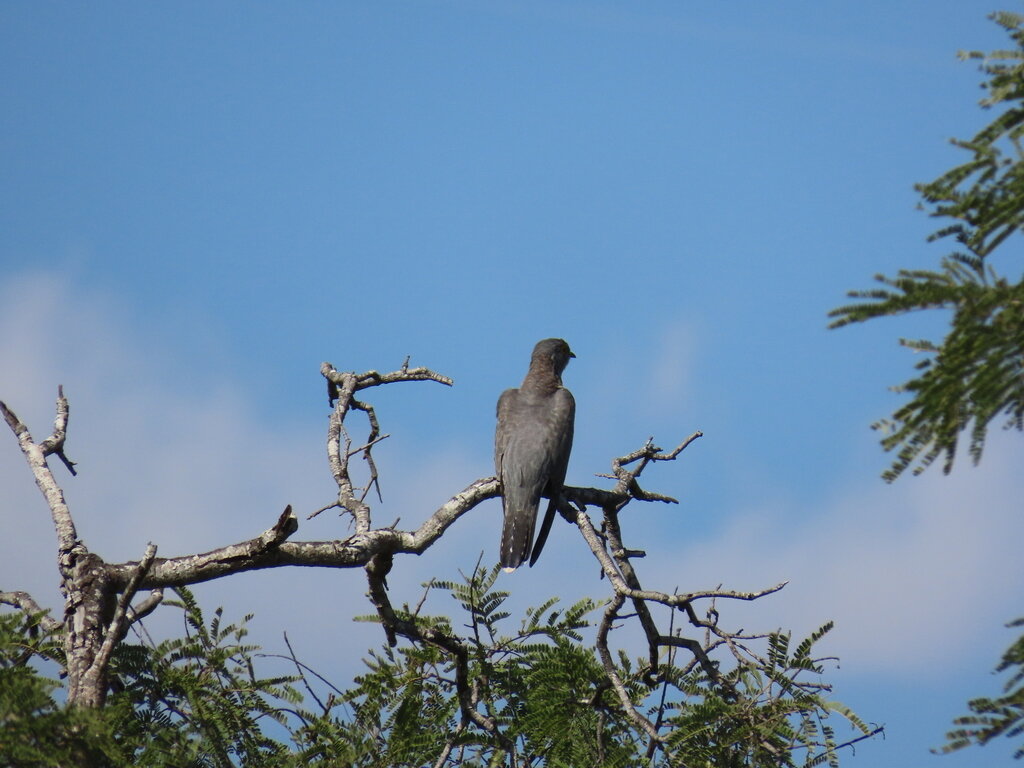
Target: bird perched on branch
column 531, row 450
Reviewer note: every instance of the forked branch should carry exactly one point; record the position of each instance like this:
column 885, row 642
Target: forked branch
column 99, row 594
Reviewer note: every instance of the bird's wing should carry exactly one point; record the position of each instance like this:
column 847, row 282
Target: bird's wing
column 524, row 460
column 561, row 420
column 506, row 404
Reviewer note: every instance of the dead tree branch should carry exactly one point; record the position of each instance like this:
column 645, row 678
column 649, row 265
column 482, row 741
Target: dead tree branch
column 615, row 559
column 98, row 595
column 341, row 388
column 118, row 624
column 611, row 613
column 146, row 607
column 23, row 601
column 35, row 455
column 263, row 551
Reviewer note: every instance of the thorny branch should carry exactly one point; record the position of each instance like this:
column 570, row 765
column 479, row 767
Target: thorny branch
column 615, row 561
column 341, row 388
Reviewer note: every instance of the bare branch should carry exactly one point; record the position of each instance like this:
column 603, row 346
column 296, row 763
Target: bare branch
column 324, row 508
column 24, row 602
column 659, row 721
column 263, row 552
column 374, row 379
column 119, row 623
column 874, row 732
column 35, row 455
column 301, row 669
column 341, row 388
column 99, row 595
column 55, row 442
column 146, row 607
column 362, row 448
column 613, row 536
column 449, row 744
column 286, row 525
column 626, row 488
column 372, row 439
column 339, row 460
column 615, row 561
column 610, row 615
column 627, row 479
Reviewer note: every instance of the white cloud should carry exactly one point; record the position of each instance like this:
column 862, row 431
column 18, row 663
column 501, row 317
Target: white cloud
column 633, row 387
column 669, row 381
column 187, row 471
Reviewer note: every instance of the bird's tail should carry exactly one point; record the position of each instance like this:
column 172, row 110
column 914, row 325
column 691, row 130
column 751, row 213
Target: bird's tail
column 516, row 538
column 545, row 529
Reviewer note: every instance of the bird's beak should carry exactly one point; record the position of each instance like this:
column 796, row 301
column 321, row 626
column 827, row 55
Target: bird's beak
column 571, row 353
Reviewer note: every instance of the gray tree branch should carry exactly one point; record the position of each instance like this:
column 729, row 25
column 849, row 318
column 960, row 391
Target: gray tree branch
column 35, row 455
column 23, row 601
column 98, row 609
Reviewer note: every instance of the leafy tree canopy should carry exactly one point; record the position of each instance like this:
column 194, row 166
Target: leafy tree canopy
column 976, row 374
column 999, row 716
column 198, row 701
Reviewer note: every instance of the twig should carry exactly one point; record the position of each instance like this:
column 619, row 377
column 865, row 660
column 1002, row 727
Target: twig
column 55, row 442
column 146, row 607
column 302, row 676
column 324, row 508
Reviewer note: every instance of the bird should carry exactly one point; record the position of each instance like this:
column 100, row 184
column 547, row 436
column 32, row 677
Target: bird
column 532, row 443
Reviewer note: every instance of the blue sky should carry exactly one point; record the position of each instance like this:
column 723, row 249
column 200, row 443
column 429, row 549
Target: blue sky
column 202, row 202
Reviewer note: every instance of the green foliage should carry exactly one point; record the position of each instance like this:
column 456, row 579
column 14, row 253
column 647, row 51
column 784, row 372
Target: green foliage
column 535, row 683
column 971, row 378
column 1002, row 716
column 551, row 697
column 189, row 702
column 976, row 374
column 197, row 701
column 34, row 729
column 763, row 716
column 985, row 195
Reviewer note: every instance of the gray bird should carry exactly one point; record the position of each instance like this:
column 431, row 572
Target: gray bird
column 531, row 450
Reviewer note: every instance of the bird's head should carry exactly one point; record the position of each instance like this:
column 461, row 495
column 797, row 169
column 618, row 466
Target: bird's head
column 554, row 350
